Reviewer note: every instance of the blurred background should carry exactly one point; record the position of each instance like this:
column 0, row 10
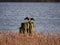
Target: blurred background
column 46, row 15
column 30, row 0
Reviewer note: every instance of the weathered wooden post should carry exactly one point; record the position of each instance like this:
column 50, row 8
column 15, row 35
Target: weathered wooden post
column 27, row 27
column 31, row 27
column 22, row 28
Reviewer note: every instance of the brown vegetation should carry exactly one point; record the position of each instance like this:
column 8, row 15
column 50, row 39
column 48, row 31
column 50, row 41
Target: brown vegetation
column 11, row 38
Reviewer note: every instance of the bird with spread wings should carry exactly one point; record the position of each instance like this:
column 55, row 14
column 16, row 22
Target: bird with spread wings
column 28, row 18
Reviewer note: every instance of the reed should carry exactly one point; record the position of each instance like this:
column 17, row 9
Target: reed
column 14, row 38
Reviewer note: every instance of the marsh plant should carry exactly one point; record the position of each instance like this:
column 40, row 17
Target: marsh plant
column 15, row 38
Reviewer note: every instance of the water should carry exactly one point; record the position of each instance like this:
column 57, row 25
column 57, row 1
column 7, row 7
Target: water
column 46, row 15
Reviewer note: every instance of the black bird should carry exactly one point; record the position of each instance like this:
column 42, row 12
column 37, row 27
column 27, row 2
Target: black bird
column 28, row 18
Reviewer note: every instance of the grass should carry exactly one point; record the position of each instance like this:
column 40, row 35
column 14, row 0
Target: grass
column 14, row 38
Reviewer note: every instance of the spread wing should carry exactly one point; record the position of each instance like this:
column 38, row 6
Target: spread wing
column 32, row 19
column 26, row 18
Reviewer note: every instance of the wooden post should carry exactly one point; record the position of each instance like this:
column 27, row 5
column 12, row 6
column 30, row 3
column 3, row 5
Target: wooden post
column 22, row 28
column 27, row 27
column 31, row 27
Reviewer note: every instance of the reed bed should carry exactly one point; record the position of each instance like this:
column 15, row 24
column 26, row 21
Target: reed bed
column 14, row 38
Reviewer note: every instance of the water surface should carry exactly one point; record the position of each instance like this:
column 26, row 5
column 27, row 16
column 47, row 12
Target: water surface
column 46, row 15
